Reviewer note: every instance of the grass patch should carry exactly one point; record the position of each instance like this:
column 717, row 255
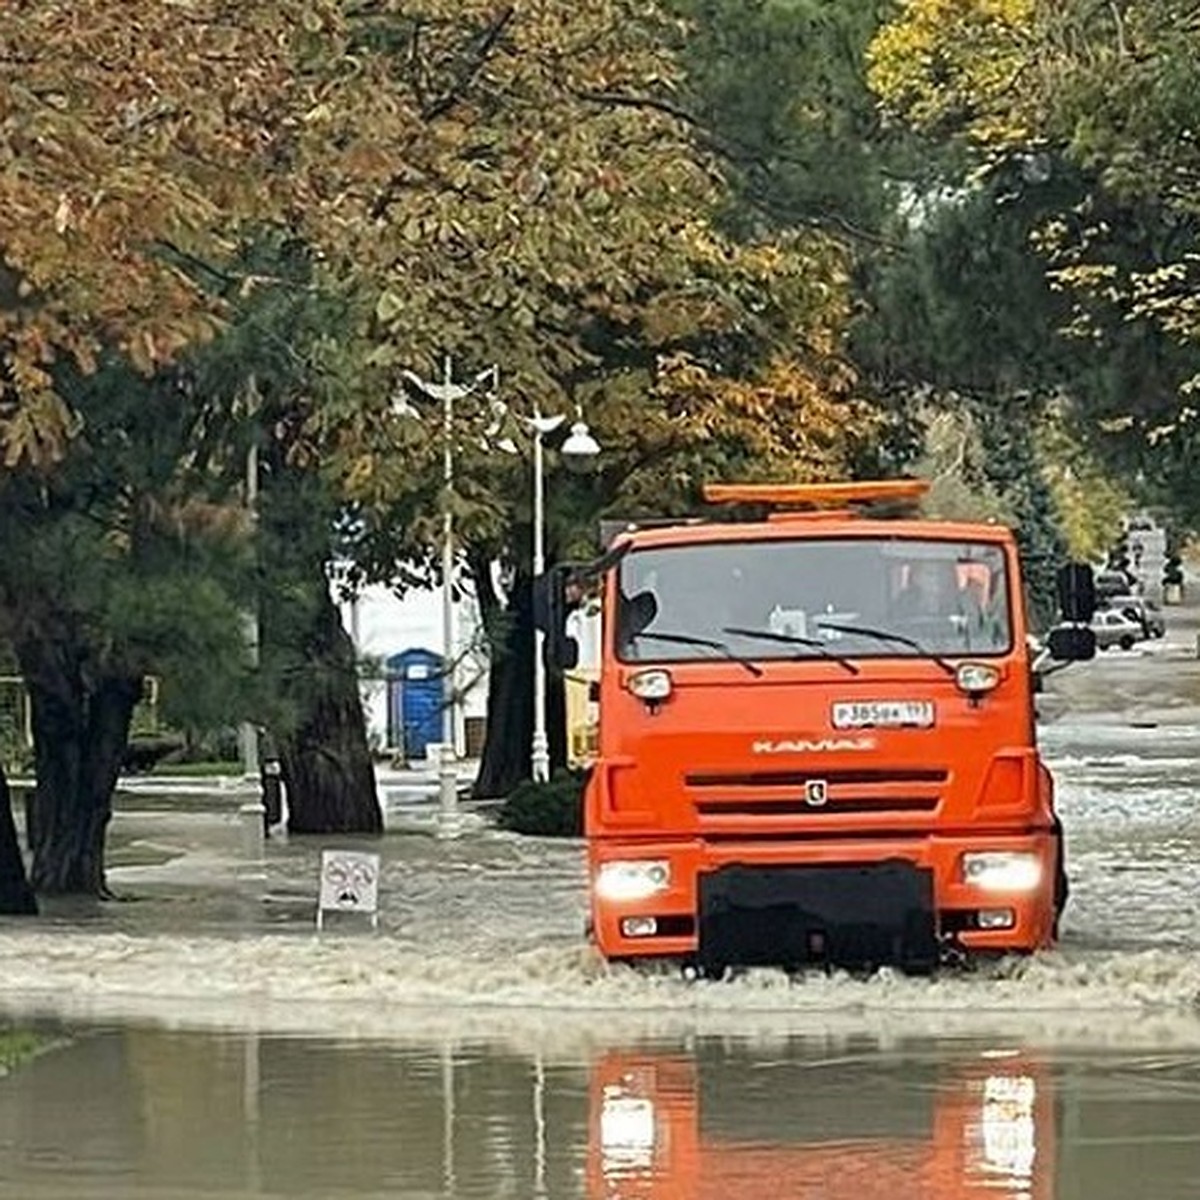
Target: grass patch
column 197, row 770
column 18, row 1046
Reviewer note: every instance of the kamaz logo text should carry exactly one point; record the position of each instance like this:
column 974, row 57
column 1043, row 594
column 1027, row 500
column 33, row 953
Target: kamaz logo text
column 813, row 746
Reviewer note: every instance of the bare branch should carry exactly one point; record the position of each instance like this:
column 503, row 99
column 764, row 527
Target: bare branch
column 469, row 69
column 654, row 103
column 466, row 74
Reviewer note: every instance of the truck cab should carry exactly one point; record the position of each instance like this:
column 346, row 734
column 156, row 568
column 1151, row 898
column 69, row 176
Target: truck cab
column 817, row 740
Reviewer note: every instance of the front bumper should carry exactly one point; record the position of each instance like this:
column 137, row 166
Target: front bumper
column 845, row 902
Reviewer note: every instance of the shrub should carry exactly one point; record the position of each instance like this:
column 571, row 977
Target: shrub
column 145, row 753
column 553, row 809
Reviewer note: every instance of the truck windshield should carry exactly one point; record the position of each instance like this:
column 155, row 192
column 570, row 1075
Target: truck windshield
column 908, row 598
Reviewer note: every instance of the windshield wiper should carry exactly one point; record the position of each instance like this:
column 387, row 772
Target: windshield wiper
column 887, row 635
column 684, row 639
column 788, row 639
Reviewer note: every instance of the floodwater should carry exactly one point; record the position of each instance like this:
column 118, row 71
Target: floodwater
column 202, row 1040
column 133, row 1112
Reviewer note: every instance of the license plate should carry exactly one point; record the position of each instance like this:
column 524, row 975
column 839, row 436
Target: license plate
column 883, row 714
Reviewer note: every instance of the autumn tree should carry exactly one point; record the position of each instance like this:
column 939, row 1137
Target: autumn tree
column 571, row 235
column 509, row 183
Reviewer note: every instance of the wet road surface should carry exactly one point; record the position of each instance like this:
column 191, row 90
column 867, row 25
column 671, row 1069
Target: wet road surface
column 200, row 1040
column 176, row 1114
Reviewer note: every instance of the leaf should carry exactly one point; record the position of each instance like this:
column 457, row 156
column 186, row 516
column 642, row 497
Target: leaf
column 389, row 307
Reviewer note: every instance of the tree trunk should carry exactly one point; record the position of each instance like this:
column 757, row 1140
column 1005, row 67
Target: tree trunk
column 508, row 748
column 16, row 896
column 80, row 734
column 326, row 762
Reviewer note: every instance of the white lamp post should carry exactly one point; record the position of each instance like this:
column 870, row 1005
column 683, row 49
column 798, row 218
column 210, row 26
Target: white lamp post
column 446, row 393
column 578, row 451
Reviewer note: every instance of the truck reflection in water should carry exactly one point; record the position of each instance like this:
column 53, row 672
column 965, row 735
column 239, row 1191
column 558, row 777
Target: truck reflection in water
column 726, row 1125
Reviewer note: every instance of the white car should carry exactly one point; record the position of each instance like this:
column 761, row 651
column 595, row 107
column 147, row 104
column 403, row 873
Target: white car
column 1114, row 628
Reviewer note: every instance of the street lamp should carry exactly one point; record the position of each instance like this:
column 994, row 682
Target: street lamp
column 578, row 451
column 580, row 448
column 447, row 392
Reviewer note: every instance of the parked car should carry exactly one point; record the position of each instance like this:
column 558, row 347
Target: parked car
column 1112, row 583
column 1114, row 628
column 1145, row 612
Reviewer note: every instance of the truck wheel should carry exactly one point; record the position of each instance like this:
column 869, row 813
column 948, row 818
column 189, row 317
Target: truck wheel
column 1062, row 882
column 695, row 972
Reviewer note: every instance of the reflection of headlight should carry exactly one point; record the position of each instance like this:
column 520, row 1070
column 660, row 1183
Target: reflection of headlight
column 1009, row 1135
column 627, row 1132
column 634, row 880
column 1002, row 871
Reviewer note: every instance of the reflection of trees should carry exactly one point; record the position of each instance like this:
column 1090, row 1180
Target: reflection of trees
column 326, row 1118
column 166, row 1113
column 18, row 1046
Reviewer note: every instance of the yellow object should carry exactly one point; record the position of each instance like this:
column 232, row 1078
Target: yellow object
column 816, row 495
column 583, row 718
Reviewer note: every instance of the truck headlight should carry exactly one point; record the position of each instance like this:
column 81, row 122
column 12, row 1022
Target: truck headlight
column 637, row 879
column 1002, row 870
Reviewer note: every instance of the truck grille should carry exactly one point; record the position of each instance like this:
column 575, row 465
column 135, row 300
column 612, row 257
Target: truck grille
column 778, row 808
column 879, row 792
column 833, row 778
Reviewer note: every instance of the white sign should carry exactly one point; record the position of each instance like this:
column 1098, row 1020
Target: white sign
column 883, row 714
column 349, row 883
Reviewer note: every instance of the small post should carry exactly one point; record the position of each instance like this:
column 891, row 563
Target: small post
column 250, row 817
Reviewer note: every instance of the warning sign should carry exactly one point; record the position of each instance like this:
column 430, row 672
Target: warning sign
column 349, row 883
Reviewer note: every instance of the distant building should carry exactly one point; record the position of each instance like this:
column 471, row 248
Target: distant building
column 384, row 625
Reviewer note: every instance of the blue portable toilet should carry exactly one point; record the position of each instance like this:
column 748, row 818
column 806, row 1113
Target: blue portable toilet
column 414, row 681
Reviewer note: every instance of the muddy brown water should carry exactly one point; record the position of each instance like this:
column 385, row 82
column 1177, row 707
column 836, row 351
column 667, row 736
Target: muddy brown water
column 200, row 1041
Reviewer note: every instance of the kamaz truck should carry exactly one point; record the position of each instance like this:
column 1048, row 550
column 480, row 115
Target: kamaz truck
column 817, row 736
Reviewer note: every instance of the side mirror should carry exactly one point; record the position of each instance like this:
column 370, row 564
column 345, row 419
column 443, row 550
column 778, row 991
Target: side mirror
column 550, row 609
column 1076, row 593
column 1071, row 643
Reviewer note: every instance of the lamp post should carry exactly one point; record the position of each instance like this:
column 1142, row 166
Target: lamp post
column 578, row 451
column 446, row 393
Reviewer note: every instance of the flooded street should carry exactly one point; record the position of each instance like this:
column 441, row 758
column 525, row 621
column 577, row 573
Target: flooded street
column 186, row 1114
column 200, row 1039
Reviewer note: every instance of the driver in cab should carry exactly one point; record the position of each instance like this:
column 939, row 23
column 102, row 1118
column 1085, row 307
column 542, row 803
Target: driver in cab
column 931, row 591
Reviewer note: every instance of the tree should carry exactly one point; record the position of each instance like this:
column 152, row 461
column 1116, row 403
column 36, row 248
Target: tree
column 117, row 568
column 515, row 184
column 288, row 352
column 1037, row 92
column 580, row 247
column 781, row 93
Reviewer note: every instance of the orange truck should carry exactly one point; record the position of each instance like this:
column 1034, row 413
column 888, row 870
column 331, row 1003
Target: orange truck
column 665, row 1127
column 817, row 736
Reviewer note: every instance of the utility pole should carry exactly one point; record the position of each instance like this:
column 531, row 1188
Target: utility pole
column 252, row 813
column 447, row 392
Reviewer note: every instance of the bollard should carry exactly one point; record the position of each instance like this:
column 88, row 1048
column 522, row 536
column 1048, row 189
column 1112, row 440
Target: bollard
column 272, row 792
column 253, row 834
